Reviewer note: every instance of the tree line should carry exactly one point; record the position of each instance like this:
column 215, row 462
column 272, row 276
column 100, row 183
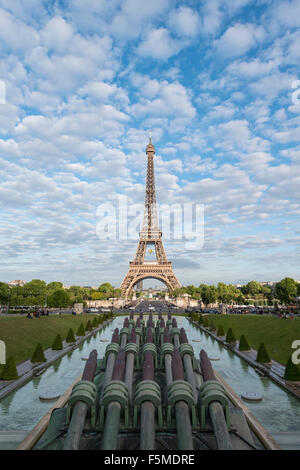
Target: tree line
column 39, row 293
column 285, row 292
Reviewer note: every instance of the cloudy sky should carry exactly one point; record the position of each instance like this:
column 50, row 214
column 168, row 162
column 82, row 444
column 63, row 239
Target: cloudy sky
column 82, row 83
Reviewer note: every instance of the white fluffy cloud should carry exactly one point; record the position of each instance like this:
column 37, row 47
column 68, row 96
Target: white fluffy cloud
column 159, row 44
column 238, row 40
column 185, row 21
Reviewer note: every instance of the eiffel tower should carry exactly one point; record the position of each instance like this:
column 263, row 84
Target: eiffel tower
column 141, row 269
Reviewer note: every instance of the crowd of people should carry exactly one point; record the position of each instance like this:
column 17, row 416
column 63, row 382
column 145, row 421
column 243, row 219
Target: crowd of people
column 38, row 313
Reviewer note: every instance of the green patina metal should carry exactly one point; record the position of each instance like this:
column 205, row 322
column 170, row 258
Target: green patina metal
column 134, row 349
column 111, row 348
column 167, row 348
column 209, row 392
column 186, row 348
column 180, row 390
column 148, row 390
column 153, row 349
column 116, row 413
column 84, row 391
column 124, row 331
column 115, row 391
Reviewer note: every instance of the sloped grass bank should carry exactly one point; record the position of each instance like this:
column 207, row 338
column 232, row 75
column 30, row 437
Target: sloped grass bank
column 21, row 335
column 276, row 333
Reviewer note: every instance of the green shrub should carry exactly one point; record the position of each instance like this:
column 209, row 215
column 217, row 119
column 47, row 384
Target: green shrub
column 38, row 355
column 70, row 336
column 205, row 322
column 244, row 345
column 57, row 343
column 9, row 371
column 292, row 371
column 212, row 326
column 88, row 326
column 95, row 322
column 200, row 321
column 262, row 354
column 81, row 331
column 220, row 331
column 230, row 338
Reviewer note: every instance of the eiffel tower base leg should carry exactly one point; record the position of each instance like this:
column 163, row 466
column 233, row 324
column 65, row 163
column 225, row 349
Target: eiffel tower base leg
column 139, row 272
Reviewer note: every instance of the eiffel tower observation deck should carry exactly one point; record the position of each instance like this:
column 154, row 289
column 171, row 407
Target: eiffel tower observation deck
column 150, row 235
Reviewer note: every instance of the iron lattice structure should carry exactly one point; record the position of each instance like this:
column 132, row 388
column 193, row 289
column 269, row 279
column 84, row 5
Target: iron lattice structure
column 139, row 269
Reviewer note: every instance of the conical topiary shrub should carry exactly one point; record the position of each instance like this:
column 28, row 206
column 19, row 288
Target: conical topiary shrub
column 95, row 322
column 57, row 343
column 220, row 331
column 88, row 326
column 212, row 326
column 81, row 331
column 200, row 319
column 244, row 345
column 9, row 371
column 38, row 355
column 205, row 322
column 70, row 336
column 262, row 354
column 292, row 371
column 230, row 338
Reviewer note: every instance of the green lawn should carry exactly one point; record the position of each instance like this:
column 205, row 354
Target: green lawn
column 277, row 334
column 21, row 335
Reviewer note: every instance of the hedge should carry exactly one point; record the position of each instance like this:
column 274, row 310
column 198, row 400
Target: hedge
column 70, row 336
column 262, row 354
column 292, row 371
column 38, row 355
column 230, row 338
column 244, row 345
column 57, row 343
column 81, row 330
column 9, row 371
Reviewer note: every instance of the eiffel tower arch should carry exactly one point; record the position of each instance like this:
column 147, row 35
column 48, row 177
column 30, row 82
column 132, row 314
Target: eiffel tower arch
column 140, row 269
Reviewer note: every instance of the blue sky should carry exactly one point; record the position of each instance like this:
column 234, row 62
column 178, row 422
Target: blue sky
column 86, row 80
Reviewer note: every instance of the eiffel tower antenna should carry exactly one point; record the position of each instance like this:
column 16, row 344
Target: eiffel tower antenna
column 139, row 269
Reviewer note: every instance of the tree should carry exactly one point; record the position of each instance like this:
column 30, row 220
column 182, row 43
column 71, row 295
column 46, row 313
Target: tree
column 105, row 288
column 97, row 295
column 220, row 331
column 262, row 354
column 292, row 371
column 57, row 343
column 9, row 371
column 38, row 355
column 4, row 293
column 81, row 330
column 70, row 336
column 53, row 286
column 244, row 345
column 230, row 337
column 117, row 293
column 252, row 288
column 59, row 298
column 286, row 290
column 209, row 294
